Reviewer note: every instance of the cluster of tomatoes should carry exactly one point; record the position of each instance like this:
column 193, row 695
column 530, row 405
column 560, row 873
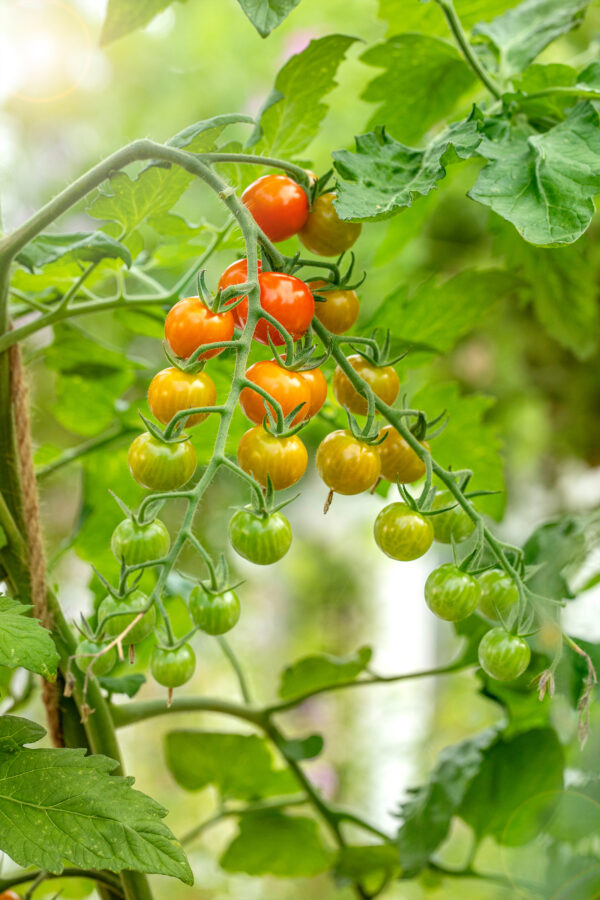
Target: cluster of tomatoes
column 288, row 393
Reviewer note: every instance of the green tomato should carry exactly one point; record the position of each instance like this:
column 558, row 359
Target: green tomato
column 103, row 665
column 214, row 613
column 172, row 668
column 503, row 655
column 499, row 594
column 136, row 544
column 455, row 523
column 261, row 539
column 159, row 466
column 402, row 533
column 129, row 608
column 451, row 594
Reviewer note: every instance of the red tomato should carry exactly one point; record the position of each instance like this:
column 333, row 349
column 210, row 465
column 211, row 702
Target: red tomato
column 278, row 205
column 285, row 297
column 289, row 388
column 317, row 384
column 190, row 324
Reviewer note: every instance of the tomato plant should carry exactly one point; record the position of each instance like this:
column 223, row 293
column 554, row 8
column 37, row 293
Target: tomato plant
column 115, row 615
column 134, row 543
column 172, row 668
column 93, row 655
column 499, row 594
column 289, row 389
column 214, row 613
column 399, row 462
column 189, row 325
column 337, row 309
column 282, row 460
column 453, row 523
column 324, row 233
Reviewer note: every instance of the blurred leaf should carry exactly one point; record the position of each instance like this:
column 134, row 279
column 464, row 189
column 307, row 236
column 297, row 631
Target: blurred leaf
column 3, row 538
column 200, row 136
column 16, row 732
column 515, row 38
column 414, row 15
column 266, row 15
column 512, row 787
column 371, row 865
column 468, row 441
column 239, row 765
column 125, row 16
column 24, row 642
column 558, row 547
column 313, row 673
column 304, row 748
column 426, row 816
column 544, row 183
column 539, row 77
column 430, row 76
column 561, row 285
column 78, row 246
column 66, row 806
column 382, row 176
column 123, row 684
column 275, row 844
column 438, row 314
column 87, row 407
column 293, row 113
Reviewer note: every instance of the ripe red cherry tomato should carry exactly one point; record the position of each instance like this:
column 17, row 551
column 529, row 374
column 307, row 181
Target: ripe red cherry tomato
column 284, row 297
column 451, row 594
column 278, row 205
column 402, row 533
column 317, row 384
column 86, row 650
column 190, row 323
column 261, row 539
column 214, row 613
column 135, row 544
column 172, row 390
column 172, row 668
column 503, row 655
column 346, row 464
column 128, row 609
column 382, row 379
column 339, row 311
column 264, row 455
column 159, row 466
column 290, row 389
column 324, row 232
column 499, row 594
column 399, row 462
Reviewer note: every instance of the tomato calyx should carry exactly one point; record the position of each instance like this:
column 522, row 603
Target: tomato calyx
column 301, row 357
column 170, row 435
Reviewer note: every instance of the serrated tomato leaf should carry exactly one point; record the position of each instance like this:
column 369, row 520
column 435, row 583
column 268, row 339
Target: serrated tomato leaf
column 371, row 864
column 61, row 805
column 318, row 672
column 24, row 641
column 239, row 765
column 266, row 15
column 123, row 684
column 428, row 18
column 15, row 732
column 78, row 246
column 544, row 183
column 382, row 176
column 272, row 843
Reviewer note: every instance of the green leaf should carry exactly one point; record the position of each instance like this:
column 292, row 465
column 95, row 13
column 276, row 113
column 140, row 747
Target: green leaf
column 468, row 441
column 79, row 246
column 371, row 865
column 125, row 16
column 414, row 15
column 314, row 673
column 542, row 78
column 430, row 76
column 3, row 538
column 560, row 283
column 426, row 816
column 292, row 115
column 544, row 183
column 382, row 176
column 560, row 548
column 123, row 684
column 200, row 133
column 266, row 15
column 512, row 787
column 519, row 698
column 472, row 630
column 239, row 765
column 303, row 748
column 65, row 806
column 437, row 313
column 275, row 844
column 16, row 732
column 24, row 641
column 515, row 38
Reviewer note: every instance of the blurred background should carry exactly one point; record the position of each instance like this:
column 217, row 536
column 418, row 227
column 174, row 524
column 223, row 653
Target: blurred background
column 64, row 104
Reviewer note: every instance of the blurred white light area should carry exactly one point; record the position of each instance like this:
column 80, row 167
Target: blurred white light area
column 45, row 49
column 162, row 25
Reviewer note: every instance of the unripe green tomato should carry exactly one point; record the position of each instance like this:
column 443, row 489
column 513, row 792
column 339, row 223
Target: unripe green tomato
column 214, row 613
column 159, row 466
column 172, row 668
column 503, row 655
column 402, row 533
column 136, row 544
column 103, row 665
column 130, row 607
column 261, row 539
column 451, row 594
column 499, row 594
column 455, row 523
